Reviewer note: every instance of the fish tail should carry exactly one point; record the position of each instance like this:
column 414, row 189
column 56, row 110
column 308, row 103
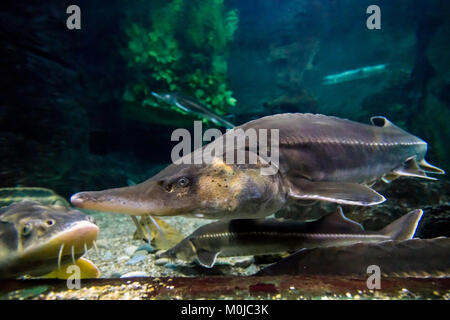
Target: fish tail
column 404, row 227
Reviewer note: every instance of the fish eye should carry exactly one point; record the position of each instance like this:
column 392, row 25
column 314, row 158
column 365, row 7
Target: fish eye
column 26, row 229
column 183, row 182
column 50, row 222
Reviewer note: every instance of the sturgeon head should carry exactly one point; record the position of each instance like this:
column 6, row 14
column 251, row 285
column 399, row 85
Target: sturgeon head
column 36, row 239
column 217, row 190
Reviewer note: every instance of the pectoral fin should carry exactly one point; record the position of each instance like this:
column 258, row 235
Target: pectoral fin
column 207, row 258
column 411, row 169
column 338, row 192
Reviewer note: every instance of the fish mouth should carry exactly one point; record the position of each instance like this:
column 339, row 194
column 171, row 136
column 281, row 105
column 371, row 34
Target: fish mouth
column 61, row 249
column 73, row 242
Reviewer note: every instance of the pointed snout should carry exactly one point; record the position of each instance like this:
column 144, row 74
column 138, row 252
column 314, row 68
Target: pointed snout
column 133, row 200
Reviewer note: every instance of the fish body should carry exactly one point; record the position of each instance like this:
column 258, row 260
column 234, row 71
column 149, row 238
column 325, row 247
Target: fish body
column 320, row 158
column 419, row 258
column 36, row 239
column 43, row 195
column 355, row 74
column 191, row 105
column 242, row 237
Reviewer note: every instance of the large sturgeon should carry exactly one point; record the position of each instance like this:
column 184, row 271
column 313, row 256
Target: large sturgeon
column 320, row 158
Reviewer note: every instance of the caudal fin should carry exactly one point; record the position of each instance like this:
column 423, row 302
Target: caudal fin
column 404, row 227
column 425, row 166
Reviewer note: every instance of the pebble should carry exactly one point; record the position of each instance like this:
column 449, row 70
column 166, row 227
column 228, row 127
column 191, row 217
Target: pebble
column 136, row 259
column 252, row 269
column 123, row 258
column 161, row 261
column 135, row 274
column 115, row 275
column 159, row 253
column 101, row 244
column 130, row 250
column 140, row 253
column 108, row 255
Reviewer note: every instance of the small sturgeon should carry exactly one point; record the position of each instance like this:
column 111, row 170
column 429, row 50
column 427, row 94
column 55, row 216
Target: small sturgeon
column 418, row 258
column 320, row 158
column 243, row 237
column 191, row 105
column 36, row 239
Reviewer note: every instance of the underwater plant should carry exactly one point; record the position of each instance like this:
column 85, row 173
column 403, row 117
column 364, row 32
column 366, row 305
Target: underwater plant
column 182, row 48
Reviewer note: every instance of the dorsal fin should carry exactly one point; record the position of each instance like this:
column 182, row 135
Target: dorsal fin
column 380, row 121
column 337, row 222
column 404, row 227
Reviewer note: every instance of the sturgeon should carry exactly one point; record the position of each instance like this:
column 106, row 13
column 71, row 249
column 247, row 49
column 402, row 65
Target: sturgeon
column 243, row 237
column 36, row 239
column 320, row 158
column 417, row 258
column 190, row 105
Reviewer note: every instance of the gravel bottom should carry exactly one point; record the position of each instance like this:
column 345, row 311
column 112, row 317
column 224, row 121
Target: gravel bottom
column 117, row 256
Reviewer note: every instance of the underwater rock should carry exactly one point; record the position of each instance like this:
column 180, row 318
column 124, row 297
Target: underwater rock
column 108, row 255
column 115, row 275
column 435, row 222
column 161, row 261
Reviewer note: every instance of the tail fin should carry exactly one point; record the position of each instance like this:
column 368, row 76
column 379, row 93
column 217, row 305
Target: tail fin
column 425, row 166
column 404, row 227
